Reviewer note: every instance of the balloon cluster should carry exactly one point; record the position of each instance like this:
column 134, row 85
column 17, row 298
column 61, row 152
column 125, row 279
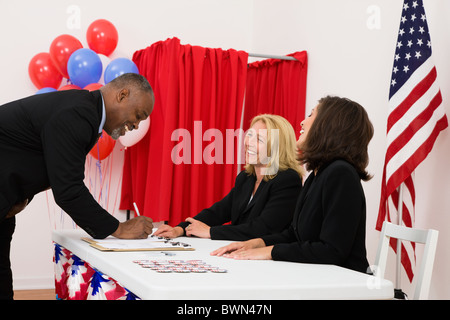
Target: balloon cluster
column 85, row 68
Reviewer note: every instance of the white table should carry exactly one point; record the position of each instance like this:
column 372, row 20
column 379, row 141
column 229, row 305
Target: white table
column 248, row 280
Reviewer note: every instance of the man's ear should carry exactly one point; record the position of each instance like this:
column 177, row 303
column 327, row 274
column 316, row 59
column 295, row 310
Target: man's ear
column 122, row 94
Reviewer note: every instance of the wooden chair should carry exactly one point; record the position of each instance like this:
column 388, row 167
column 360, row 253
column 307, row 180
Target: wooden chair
column 427, row 237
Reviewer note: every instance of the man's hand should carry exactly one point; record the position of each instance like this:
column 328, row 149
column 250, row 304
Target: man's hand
column 136, row 228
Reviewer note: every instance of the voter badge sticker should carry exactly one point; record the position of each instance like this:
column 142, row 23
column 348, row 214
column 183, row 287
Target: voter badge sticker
column 179, row 266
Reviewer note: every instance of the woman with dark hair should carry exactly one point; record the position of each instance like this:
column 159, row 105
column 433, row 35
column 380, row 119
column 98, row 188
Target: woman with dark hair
column 329, row 224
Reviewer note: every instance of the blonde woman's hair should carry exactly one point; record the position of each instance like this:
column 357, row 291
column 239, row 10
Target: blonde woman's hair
column 281, row 147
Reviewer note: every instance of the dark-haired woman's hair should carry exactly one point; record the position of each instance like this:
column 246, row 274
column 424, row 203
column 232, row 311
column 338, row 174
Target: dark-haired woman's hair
column 341, row 130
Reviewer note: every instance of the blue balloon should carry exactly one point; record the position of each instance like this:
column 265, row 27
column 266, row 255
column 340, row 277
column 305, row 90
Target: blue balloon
column 84, row 67
column 118, row 67
column 45, row 90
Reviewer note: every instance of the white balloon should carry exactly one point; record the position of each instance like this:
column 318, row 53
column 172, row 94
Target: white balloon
column 134, row 136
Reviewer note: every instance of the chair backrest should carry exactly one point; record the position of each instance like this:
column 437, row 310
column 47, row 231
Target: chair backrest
column 427, row 237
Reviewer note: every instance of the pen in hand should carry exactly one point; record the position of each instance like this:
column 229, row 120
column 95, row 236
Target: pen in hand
column 136, row 209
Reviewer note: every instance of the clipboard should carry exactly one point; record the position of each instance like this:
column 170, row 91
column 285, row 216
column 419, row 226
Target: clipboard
column 125, row 245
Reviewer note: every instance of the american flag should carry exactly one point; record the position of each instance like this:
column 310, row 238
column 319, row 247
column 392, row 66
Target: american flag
column 416, row 116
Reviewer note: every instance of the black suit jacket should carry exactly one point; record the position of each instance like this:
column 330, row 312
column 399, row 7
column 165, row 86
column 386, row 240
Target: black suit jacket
column 44, row 140
column 329, row 224
column 270, row 211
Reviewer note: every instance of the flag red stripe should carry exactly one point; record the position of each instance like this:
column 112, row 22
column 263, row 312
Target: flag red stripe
column 406, row 262
column 415, row 95
column 417, row 157
column 397, row 178
column 411, row 189
column 406, row 216
column 415, row 125
column 383, row 210
column 383, row 202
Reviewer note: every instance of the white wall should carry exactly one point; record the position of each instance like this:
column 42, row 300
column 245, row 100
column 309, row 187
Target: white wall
column 347, row 57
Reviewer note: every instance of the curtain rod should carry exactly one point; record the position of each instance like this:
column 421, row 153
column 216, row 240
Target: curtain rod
column 268, row 56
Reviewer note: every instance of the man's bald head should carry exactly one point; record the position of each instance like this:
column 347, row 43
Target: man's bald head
column 131, row 79
column 129, row 99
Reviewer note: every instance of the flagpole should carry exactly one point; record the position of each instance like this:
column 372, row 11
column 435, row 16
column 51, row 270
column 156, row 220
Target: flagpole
column 398, row 293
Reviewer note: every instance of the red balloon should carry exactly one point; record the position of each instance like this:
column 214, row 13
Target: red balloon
column 103, row 147
column 69, row 87
column 43, row 72
column 93, row 86
column 102, row 37
column 60, row 51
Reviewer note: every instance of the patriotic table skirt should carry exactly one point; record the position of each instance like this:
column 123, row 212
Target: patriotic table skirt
column 75, row 279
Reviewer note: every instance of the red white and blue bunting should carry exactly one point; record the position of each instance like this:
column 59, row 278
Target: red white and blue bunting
column 75, row 279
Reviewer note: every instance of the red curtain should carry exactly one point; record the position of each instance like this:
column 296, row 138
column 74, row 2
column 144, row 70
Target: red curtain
column 196, row 89
column 278, row 87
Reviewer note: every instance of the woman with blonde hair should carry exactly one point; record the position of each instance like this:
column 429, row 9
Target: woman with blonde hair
column 280, row 140
column 263, row 199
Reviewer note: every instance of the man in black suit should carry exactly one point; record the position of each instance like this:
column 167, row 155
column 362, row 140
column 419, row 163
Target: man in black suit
column 44, row 140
